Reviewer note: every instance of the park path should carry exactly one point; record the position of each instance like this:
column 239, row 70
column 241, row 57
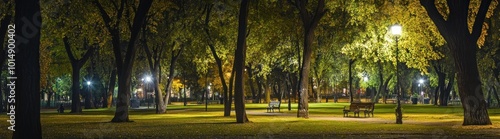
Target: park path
column 358, row 119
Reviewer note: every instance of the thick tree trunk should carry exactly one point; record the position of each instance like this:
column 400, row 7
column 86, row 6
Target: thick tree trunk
column 171, row 73
column 75, row 95
column 27, row 85
column 441, row 85
column 122, row 101
column 259, row 89
column 239, row 64
column 124, row 64
column 436, row 94
column 463, row 47
column 76, row 65
column 309, row 23
column 111, row 88
column 446, row 91
column 160, row 106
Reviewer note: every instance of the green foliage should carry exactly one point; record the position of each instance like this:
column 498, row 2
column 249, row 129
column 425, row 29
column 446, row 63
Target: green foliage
column 62, row 85
column 373, row 41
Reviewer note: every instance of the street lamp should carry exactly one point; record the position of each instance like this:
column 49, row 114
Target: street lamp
column 147, row 79
column 206, row 97
column 420, row 84
column 89, row 97
column 397, row 30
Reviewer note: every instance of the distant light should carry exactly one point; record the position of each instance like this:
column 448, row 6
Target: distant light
column 88, row 82
column 396, row 29
column 148, row 79
column 421, row 81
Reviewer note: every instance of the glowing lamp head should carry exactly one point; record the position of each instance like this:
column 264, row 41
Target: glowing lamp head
column 396, row 30
column 88, row 82
column 148, row 79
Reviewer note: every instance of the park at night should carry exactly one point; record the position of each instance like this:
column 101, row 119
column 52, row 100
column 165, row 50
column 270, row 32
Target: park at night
column 249, row 69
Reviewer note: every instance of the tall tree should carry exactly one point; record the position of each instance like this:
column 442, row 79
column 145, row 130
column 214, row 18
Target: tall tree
column 463, row 45
column 27, row 24
column 239, row 64
column 218, row 60
column 310, row 20
column 153, row 57
column 124, row 63
column 76, row 65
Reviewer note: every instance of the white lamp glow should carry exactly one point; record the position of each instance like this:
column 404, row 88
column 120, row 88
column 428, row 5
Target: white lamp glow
column 396, row 29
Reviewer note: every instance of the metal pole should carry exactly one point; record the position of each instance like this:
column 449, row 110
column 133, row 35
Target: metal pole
column 206, row 100
column 399, row 115
column 147, row 94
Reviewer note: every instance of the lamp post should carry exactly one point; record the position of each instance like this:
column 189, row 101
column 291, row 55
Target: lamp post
column 147, row 80
column 396, row 30
column 89, row 97
column 206, row 98
column 420, row 84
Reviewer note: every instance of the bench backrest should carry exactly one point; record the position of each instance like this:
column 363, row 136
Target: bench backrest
column 274, row 103
column 354, row 106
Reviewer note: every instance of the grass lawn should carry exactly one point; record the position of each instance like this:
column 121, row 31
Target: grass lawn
column 326, row 121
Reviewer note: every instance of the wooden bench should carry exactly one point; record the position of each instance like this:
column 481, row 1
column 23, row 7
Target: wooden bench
column 273, row 105
column 366, row 108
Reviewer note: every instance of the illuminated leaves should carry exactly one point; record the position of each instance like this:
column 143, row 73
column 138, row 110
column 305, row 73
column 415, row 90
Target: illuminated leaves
column 374, row 42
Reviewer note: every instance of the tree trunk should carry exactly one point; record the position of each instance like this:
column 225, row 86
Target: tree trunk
column 436, row 94
column 447, row 90
column 124, row 64
column 441, row 85
column 160, row 104
column 463, row 47
column 259, row 89
column 250, row 83
column 351, row 97
column 239, row 64
column 76, row 65
column 173, row 61
column 76, row 106
column 111, row 88
column 229, row 99
column 309, row 23
column 27, row 86
column 49, row 97
column 217, row 60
